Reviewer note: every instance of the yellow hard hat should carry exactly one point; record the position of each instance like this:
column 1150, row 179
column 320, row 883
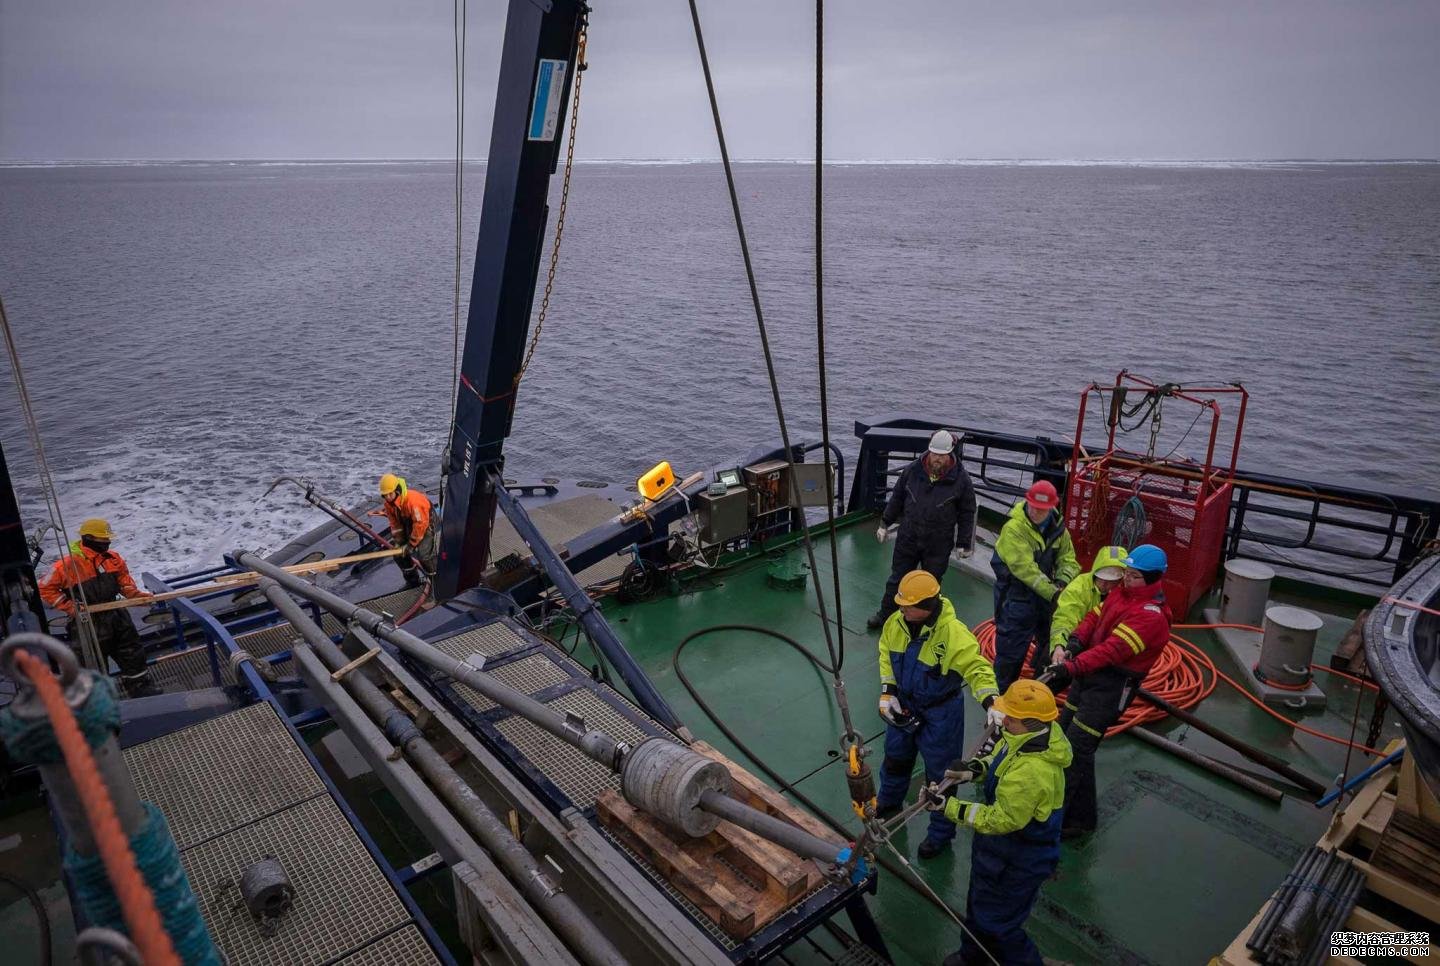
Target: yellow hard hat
column 389, row 483
column 1028, row 699
column 97, row 528
column 1109, row 563
column 917, row 586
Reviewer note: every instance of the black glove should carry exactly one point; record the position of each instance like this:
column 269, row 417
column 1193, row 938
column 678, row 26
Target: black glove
column 1074, row 645
column 1058, row 677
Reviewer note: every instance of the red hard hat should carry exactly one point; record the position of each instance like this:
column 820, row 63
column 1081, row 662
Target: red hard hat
column 1042, row 495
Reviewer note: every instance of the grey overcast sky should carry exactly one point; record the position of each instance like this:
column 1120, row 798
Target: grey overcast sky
column 906, row 79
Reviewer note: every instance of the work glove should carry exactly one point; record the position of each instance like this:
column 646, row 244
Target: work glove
column 1059, row 676
column 890, row 709
column 994, row 717
column 965, row 771
column 882, row 533
column 961, row 553
column 933, row 798
column 1059, row 655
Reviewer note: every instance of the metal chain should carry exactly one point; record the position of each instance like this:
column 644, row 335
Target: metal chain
column 1155, row 427
column 580, row 66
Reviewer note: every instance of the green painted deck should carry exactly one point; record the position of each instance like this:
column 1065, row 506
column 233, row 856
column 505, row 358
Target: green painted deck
column 1182, row 860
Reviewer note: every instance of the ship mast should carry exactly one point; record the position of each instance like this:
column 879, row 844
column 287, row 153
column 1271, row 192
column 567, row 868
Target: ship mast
column 537, row 68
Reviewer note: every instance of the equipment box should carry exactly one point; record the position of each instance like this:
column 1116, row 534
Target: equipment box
column 809, row 488
column 724, row 517
column 765, row 482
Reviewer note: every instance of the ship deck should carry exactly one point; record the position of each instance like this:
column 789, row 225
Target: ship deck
column 1182, row 859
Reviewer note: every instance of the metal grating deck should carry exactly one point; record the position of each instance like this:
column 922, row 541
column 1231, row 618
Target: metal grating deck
column 342, row 901
column 529, row 674
column 491, row 640
column 402, row 946
column 210, row 776
column 191, row 669
column 579, row 777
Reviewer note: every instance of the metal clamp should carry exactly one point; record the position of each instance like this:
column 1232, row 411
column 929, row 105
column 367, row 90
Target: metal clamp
column 42, row 645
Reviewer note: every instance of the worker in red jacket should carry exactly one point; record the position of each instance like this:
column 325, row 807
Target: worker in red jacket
column 94, row 573
column 1107, row 657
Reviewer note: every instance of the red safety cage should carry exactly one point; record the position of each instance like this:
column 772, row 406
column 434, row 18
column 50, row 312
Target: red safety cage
column 1184, row 503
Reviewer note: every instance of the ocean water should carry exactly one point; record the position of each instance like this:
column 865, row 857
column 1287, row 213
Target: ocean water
column 190, row 332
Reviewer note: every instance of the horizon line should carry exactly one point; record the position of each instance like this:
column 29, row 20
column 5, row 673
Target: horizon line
column 101, row 162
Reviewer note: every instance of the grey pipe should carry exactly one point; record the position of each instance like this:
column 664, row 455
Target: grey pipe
column 559, row 909
column 767, row 826
column 595, row 744
column 1210, row 764
column 599, row 746
column 517, row 925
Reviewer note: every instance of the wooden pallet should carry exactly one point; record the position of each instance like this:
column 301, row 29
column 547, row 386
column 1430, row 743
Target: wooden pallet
column 1391, row 832
column 738, row 879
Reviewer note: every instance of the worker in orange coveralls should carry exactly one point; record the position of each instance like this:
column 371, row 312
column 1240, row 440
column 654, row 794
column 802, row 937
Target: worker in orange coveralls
column 409, row 514
column 94, row 573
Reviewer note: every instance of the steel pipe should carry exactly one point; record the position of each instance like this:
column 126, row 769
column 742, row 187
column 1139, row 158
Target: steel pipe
column 595, row 744
column 558, row 908
column 599, row 746
column 1256, row 755
column 769, row 827
column 600, row 631
column 1214, row 767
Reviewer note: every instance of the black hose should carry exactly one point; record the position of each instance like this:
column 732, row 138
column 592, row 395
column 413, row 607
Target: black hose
column 885, row 863
column 46, row 949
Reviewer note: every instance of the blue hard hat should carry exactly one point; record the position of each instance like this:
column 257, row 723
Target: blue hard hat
column 1146, row 557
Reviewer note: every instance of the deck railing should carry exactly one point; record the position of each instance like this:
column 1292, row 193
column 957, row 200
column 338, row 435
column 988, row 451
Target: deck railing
column 1347, row 536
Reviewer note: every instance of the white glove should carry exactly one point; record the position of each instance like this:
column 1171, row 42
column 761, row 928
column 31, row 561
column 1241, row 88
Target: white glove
column 882, row 533
column 890, row 707
column 1059, row 656
column 961, row 553
column 994, row 718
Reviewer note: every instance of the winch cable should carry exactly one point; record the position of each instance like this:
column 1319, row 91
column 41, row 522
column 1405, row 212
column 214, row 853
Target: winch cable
column 903, row 872
column 81, row 625
column 458, row 23
column 851, row 737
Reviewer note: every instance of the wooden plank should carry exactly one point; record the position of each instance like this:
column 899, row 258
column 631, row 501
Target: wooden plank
column 770, row 862
column 237, row 581
column 1363, row 920
column 755, row 792
column 699, row 884
column 1372, row 824
column 1413, row 795
column 1383, row 883
column 1343, row 826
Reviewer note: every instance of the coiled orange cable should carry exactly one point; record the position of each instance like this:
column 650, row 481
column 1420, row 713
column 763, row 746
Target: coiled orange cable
column 147, row 930
column 1184, row 675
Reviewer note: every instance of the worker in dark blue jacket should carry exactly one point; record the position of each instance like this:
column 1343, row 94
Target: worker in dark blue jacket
column 934, row 504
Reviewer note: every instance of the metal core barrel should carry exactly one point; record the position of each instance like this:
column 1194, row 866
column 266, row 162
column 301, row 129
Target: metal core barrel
column 667, row 780
column 1247, row 589
column 1288, row 646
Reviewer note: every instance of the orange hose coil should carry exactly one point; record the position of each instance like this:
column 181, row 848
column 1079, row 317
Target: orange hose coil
column 1184, row 675
column 147, row 930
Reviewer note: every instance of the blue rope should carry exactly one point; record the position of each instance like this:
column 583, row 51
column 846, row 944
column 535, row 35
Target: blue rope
column 32, row 740
column 159, row 863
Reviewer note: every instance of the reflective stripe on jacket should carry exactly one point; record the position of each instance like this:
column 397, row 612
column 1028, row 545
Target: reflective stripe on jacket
column 1023, row 788
column 1130, row 632
column 1080, row 598
column 98, row 576
column 936, row 663
column 1039, row 557
column 409, row 518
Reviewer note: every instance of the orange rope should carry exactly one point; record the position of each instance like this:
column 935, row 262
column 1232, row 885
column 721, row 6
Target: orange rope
column 1179, row 676
column 136, row 899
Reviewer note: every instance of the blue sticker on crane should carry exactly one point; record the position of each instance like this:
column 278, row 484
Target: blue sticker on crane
column 545, row 111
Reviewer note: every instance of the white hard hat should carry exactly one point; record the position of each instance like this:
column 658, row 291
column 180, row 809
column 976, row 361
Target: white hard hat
column 943, row 442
